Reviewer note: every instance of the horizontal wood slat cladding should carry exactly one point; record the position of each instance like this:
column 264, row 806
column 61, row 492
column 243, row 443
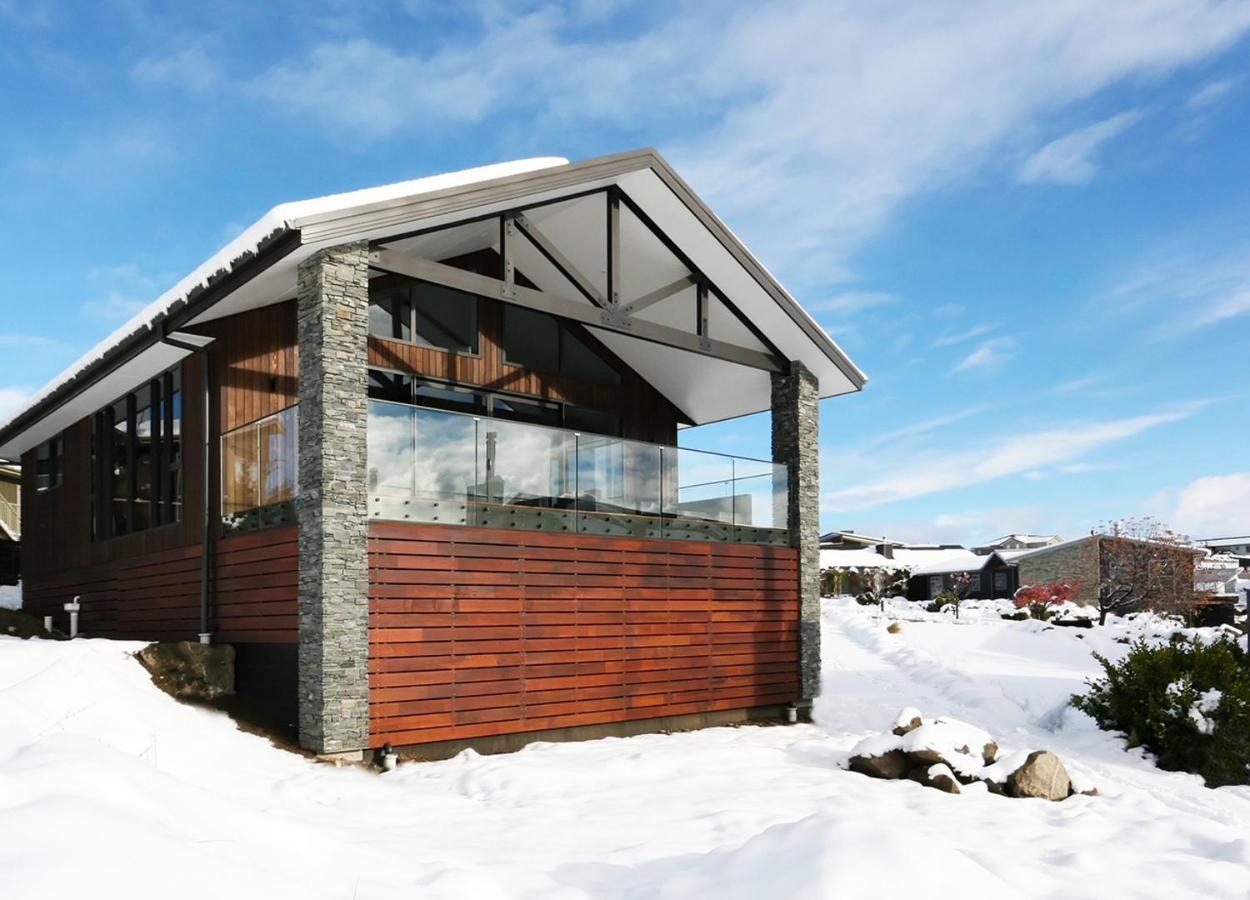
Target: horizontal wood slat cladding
column 477, row 632
column 156, row 597
column 646, row 415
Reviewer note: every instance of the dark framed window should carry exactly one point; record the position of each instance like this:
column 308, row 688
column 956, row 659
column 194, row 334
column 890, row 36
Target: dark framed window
column 596, row 421
column 49, row 463
column 397, row 387
column 543, row 343
column 1000, row 581
column 136, row 459
column 427, row 314
column 259, row 473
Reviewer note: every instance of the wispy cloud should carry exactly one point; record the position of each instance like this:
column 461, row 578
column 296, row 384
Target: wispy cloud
column 11, row 339
column 1070, row 159
column 988, row 357
column 11, row 400
column 930, row 472
column 949, row 340
column 1185, row 292
column 1075, row 385
column 922, row 427
column 853, row 301
column 809, row 146
column 1210, row 94
column 119, row 292
column 192, row 67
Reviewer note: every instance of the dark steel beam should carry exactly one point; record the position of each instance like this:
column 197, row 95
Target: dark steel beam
column 662, row 293
column 484, row 286
column 614, row 247
column 559, row 260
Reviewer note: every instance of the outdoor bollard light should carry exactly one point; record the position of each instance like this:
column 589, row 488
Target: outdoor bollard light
column 72, row 609
column 47, row 624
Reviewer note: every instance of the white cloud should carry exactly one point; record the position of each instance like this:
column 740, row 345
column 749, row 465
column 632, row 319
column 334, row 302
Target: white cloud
column 949, row 310
column 1069, row 159
column 924, row 426
column 193, row 68
column 13, row 339
column 805, row 124
column 11, row 400
column 930, row 473
column 948, row 340
column 120, row 292
column 852, row 302
column 1214, row 506
column 1183, row 292
column 988, row 357
column 1210, row 94
column 1073, row 385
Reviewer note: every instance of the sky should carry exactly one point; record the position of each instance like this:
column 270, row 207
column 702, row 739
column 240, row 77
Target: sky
column 1029, row 224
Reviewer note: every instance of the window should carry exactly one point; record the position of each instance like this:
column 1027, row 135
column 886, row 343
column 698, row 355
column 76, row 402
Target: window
column 974, row 583
column 595, row 421
column 136, row 459
column 49, row 463
column 424, row 313
column 396, row 387
column 1000, row 582
column 936, row 586
column 259, row 480
column 542, row 343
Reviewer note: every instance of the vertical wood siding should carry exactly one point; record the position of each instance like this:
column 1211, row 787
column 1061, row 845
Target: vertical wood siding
column 479, row 632
column 646, row 415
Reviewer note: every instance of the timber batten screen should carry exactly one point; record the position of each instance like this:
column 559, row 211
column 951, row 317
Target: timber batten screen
column 477, row 632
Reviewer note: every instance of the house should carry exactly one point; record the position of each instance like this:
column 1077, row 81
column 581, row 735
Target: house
column 989, row 576
column 10, row 524
column 1238, row 547
column 1099, row 558
column 1021, row 542
column 411, row 451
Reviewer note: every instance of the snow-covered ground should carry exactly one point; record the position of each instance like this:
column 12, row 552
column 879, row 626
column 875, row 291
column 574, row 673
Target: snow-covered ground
column 109, row 788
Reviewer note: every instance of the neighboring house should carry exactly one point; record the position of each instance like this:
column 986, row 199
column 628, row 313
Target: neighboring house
column 1020, row 542
column 990, row 576
column 1238, row 547
column 10, row 524
column 411, row 451
column 1091, row 559
column 1219, row 576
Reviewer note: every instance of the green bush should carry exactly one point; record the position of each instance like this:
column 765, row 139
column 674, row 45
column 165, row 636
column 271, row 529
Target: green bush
column 1187, row 703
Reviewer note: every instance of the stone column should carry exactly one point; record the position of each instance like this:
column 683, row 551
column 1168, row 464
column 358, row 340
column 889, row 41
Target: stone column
column 333, row 320
column 796, row 443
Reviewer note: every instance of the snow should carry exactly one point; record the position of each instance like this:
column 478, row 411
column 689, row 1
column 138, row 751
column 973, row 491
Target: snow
column 903, row 558
column 281, row 216
column 108, row 788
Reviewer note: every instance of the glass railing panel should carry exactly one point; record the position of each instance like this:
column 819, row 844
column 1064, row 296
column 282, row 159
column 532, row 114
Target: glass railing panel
column 698, row 495
column 619, row 487
column 526, row 476
column 759, row 502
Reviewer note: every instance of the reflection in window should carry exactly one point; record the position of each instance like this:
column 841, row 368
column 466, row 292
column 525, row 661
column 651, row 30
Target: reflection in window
column 136, row 459
column 424, row 313
column 259, row 481
column 543, row 343
column 48, row 463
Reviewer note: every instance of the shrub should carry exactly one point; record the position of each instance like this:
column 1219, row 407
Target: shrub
column 937, row 605
column 1187, row 703
column 1043, row 600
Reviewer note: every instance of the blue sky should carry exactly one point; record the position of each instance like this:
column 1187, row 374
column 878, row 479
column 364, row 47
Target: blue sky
column 1029, row 223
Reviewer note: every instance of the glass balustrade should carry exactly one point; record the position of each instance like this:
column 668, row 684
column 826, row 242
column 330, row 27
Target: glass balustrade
column 428, row 465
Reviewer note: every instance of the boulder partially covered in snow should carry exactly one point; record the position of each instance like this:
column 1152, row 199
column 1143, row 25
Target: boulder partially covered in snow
column 190, row 671
column 947, row 753
column 909, row 719
column 1042, row 776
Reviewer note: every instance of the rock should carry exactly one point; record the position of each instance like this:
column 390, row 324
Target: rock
column 942, row 778
column 907, row 720
column 190, row 671
column 1042, row 776
column 893, row 764
column 989, row 753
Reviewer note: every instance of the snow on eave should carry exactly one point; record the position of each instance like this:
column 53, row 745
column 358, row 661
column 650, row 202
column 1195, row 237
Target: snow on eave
column 250, row 242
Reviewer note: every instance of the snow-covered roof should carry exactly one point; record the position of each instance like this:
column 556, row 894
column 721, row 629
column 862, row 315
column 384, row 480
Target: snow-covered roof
column 903, row 558
column 259, row 266
column 963, row 562
column 1225, row 541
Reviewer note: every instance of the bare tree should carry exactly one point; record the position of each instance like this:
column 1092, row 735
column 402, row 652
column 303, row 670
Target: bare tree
column 1140, row 563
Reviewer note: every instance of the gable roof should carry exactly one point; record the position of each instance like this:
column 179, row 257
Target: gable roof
column 258, row 268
